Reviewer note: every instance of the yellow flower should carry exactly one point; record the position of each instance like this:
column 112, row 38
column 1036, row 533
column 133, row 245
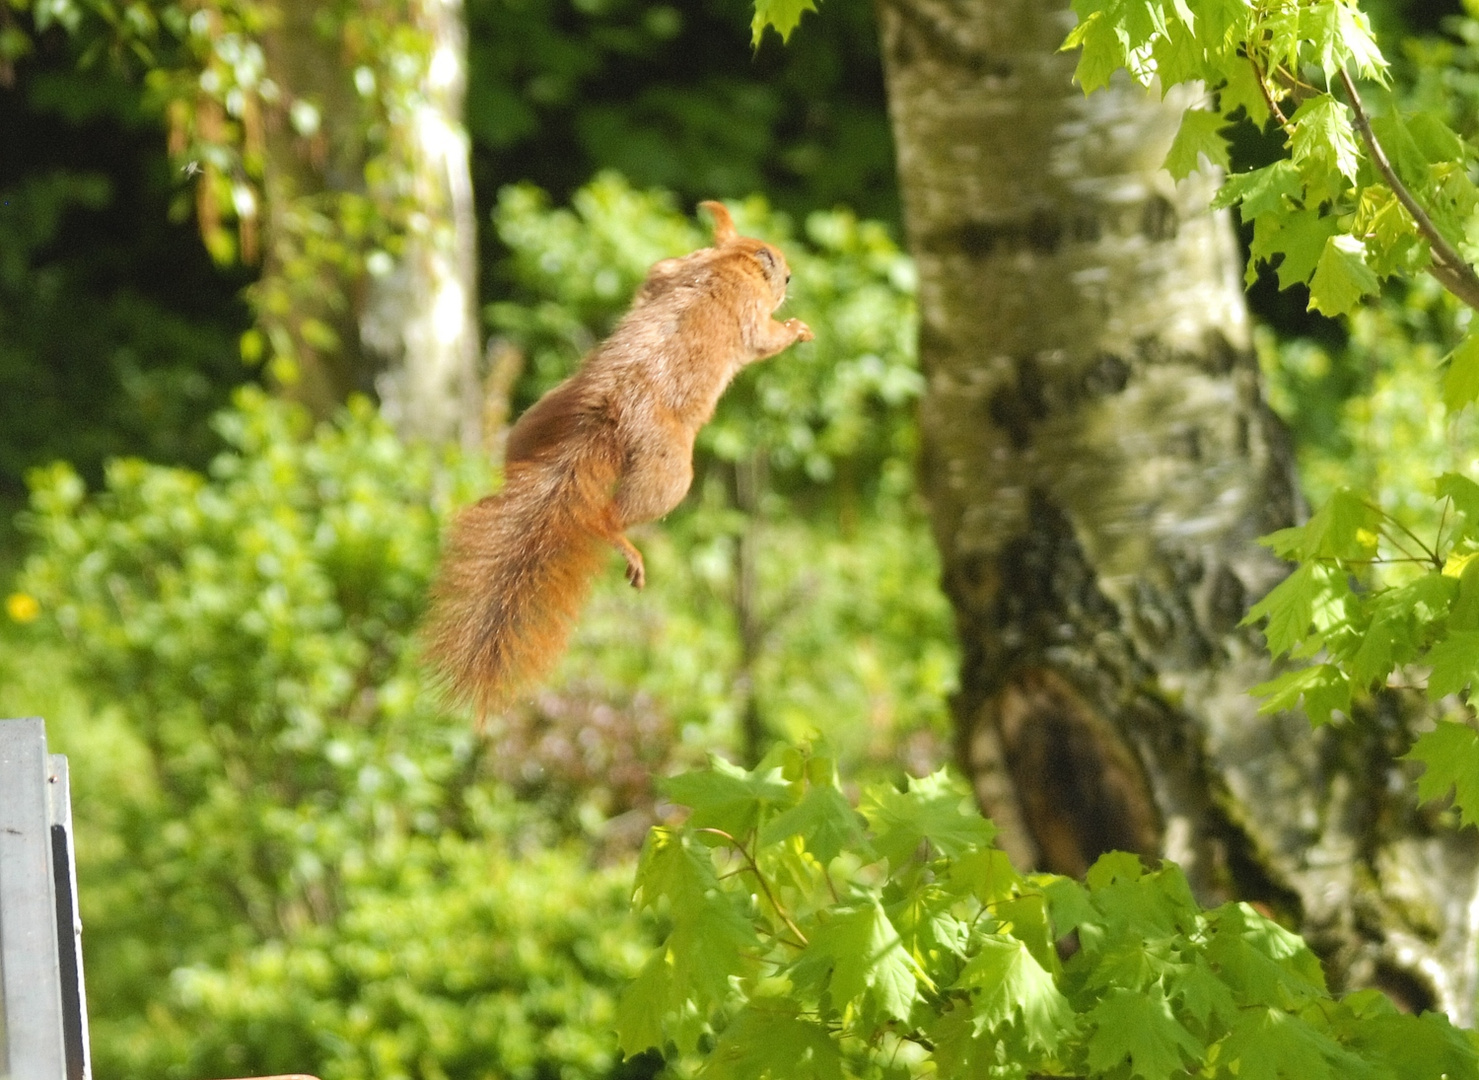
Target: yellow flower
column 22, row 607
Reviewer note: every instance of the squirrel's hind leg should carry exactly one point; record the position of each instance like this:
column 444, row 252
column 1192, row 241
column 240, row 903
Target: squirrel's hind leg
column 636, row 569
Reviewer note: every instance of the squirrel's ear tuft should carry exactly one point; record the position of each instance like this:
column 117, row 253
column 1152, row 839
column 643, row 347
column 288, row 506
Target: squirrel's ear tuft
column 724, row 230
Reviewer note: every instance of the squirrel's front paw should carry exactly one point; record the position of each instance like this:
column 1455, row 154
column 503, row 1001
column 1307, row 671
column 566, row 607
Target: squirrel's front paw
column 800, row 329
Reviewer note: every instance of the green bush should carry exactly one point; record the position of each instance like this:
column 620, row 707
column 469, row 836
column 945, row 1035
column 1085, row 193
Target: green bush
column 302, row 866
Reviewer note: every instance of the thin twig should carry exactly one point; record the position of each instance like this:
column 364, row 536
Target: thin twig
column 1268, row 98
column 764, row 885
column 1451, row 269
column 1429, row 552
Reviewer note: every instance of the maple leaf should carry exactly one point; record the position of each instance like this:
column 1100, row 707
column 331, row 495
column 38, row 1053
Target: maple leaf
column 1260, row 960
column 1464, row 493
column 1323, row 136
column 1269, row 190
column 1007, row 981
column 1324, row 688
column 1270, row 1044
column 769, row 1038
column 858, row 951
column 1199, row 134
column 1242, row 91
column 1451, row 753
column 1289, row 608
column 1461, row 380
column 1298, row 235
column 725, row 796
column 1455, row 663
column 1103, row 51
column 934, row 808
column 784, row 15
column 1342, row 277
column 987, row 874
column 824, row 821
column 1203, row 994
column 1139, row 1025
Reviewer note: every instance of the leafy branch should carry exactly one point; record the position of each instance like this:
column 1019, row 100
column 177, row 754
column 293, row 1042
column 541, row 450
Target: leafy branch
column 1451, row 269
column 941, row 958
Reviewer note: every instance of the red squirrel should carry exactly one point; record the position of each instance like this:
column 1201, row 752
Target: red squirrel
column 608, row 448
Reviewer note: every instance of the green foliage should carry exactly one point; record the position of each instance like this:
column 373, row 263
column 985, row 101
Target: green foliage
column 116, row 334
column 291, row 858
column 912, row 948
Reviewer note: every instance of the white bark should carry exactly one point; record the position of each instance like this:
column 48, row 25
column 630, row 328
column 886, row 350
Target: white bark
column 421, row 313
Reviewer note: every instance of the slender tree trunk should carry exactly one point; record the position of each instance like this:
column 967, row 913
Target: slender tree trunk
column 422, row 318
column 338, row 317
column 1099, row 464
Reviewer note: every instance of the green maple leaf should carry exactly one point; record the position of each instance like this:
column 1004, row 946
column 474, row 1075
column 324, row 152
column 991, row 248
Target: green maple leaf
column 710, row 939
column 1324, row 688
column 825, row 822
column 1103, row 50
column 1464, row 493
column 784, row 15
column 1177, row 53
column 1381, row 646
column 1242, row 91
column 1401, row 148
column 1297, row 235
column 1006, row 982
column 1426, row 1045
column 1289, row 608
column 1323, row 137
column 1269, row 1044
column 1464, row 615
column 1199, row 133
column 1269, row 190
column 987, row 874
column 1451, row 753
column 1342, row 277
column 769, row 1037
column 1203, row 994
column 1260, row 960
column 1455, row 663
column 1461, row 380
column 1133, row 963
column 653, row 1008
column 934, row 808
column 1342, row 35
column 1437, row 141
column 927, row 926
column 1345, row 527
column 726, row 797
column 1139, row 1026
column 858, row 952
column 1069, row 906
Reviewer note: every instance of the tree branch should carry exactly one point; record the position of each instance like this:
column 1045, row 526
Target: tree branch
column 1450, row 268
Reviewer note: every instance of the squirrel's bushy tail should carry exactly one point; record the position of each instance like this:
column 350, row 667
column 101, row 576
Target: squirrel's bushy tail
column 515, row 570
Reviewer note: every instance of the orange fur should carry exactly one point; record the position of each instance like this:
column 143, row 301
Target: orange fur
column 610, row 447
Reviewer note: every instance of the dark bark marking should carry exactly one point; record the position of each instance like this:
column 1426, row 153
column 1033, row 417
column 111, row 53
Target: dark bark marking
column 1109, row 375
column 1082, row 791
column 1017, row 407
column 1159, row 220
column 1041, row 231
column 1227, row 601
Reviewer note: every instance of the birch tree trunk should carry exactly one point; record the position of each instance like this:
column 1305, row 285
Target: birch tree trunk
column 1099, row 463
column 400, row 320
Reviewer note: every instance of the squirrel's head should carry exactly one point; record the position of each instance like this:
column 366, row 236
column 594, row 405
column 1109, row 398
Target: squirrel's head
column 768, row 258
